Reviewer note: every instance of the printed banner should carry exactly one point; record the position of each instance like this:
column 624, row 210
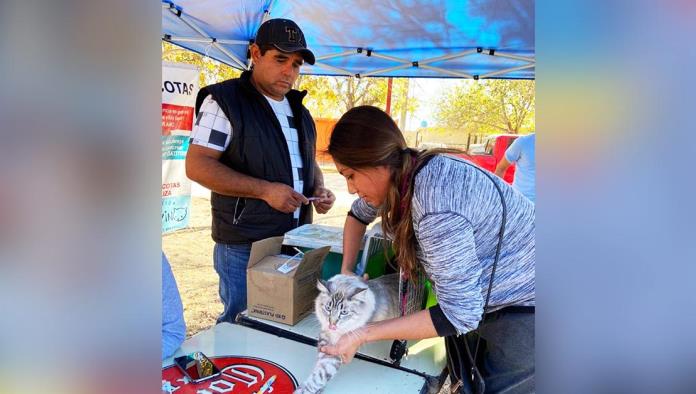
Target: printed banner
column 179, row 89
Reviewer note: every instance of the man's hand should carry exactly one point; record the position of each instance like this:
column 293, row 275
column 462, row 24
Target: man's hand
column 325, row 201
column 283, row 198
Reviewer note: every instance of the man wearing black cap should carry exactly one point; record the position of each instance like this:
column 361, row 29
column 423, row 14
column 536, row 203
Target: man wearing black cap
column 253, row 146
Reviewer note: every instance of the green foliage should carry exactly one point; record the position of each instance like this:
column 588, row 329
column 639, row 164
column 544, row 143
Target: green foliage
column 328, row 97
column 442, row 135
column 211, row 70
column 488, row 106
column 322, row 97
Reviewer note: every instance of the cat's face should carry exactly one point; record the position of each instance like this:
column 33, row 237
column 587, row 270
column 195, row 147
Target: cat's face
column 343, row 304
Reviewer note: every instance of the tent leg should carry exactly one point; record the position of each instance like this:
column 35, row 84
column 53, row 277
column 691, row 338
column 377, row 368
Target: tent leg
column 389, row 95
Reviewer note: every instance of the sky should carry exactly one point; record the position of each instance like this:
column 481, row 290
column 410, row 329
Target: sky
column 429, row 91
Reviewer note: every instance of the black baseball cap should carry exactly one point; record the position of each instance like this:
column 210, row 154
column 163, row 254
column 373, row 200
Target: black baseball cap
column 286, row 36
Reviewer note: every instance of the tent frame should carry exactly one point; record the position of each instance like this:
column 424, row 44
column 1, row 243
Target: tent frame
column 402, row 63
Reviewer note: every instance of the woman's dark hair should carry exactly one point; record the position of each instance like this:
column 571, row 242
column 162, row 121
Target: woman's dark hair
column 366, row 137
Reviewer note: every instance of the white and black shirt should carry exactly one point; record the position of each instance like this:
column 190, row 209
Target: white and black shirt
column 213, row 130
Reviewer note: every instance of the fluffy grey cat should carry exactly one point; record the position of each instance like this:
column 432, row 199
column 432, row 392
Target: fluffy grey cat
column 346, row 303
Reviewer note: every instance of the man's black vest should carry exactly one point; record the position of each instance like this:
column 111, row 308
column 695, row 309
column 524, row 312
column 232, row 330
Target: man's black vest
column 258, row 149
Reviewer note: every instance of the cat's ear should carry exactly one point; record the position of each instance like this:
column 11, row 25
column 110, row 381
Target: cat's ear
column 323, row 286
column 357, row 292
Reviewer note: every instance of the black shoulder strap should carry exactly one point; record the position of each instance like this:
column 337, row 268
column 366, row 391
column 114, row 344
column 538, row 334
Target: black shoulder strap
column 501, row 234
column 495, row 264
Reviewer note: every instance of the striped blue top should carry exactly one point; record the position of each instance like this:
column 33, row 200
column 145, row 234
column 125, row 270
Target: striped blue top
column 457, row 214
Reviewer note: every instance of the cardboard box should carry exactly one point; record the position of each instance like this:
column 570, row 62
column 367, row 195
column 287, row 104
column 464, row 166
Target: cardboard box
column 273, row 295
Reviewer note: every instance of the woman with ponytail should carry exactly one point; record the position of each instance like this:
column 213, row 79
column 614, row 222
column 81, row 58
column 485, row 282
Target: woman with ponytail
column 444, row 215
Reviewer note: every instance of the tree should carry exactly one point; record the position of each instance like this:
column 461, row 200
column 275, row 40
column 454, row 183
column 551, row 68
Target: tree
column 212, row 71
column 488, row 106
column 402, row 104
column 322, row 97
column 330, row 97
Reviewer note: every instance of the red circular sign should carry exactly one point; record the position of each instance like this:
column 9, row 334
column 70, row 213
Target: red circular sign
column 239, row 375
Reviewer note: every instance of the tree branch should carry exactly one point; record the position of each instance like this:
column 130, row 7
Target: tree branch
column 488, row 124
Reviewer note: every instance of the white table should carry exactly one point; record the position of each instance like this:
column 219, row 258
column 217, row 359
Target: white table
column 425, row 357
column 296, row 358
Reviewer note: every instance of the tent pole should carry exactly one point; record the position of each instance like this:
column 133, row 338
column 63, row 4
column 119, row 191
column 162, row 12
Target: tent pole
column 328, row 67
column 445, row 71
column 184, row 18
column 389, row 95
column 447, row 57
column 207, row 40
column 507, row 70
column 335, row 55
column 384, row 70
column 230, row 55
column 266, row 16
column 515, row 57
column 392, row 58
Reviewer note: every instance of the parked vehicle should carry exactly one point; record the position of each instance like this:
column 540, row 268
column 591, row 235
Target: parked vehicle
column 489, row 153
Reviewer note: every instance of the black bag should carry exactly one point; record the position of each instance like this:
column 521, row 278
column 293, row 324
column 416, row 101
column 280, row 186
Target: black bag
column 465, row 371
column 465, row 377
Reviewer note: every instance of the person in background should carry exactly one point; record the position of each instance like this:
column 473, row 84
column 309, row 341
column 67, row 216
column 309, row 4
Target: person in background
column 521, row 152
column 173, row 325
column 253, row 145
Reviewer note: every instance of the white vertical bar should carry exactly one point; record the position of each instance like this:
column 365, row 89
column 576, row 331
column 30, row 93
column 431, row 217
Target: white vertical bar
column 447, row 57
column 340, row 70
column 515, row 57
column 445, row 71
column 384, row 70
column 507, row 70
column 200, row 31
column 392, row 58
column 339, row 54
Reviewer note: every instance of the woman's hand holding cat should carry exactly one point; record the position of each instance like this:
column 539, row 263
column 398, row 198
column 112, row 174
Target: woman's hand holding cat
column 347, row 345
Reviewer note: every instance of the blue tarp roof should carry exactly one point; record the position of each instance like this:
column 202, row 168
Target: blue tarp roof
column 404, row 32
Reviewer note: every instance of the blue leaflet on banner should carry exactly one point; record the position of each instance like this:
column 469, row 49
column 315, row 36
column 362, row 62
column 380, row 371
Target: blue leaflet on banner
column 175, row 213
column 174, row 147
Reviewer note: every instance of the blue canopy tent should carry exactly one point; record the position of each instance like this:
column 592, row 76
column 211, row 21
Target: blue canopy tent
column 406, row 38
